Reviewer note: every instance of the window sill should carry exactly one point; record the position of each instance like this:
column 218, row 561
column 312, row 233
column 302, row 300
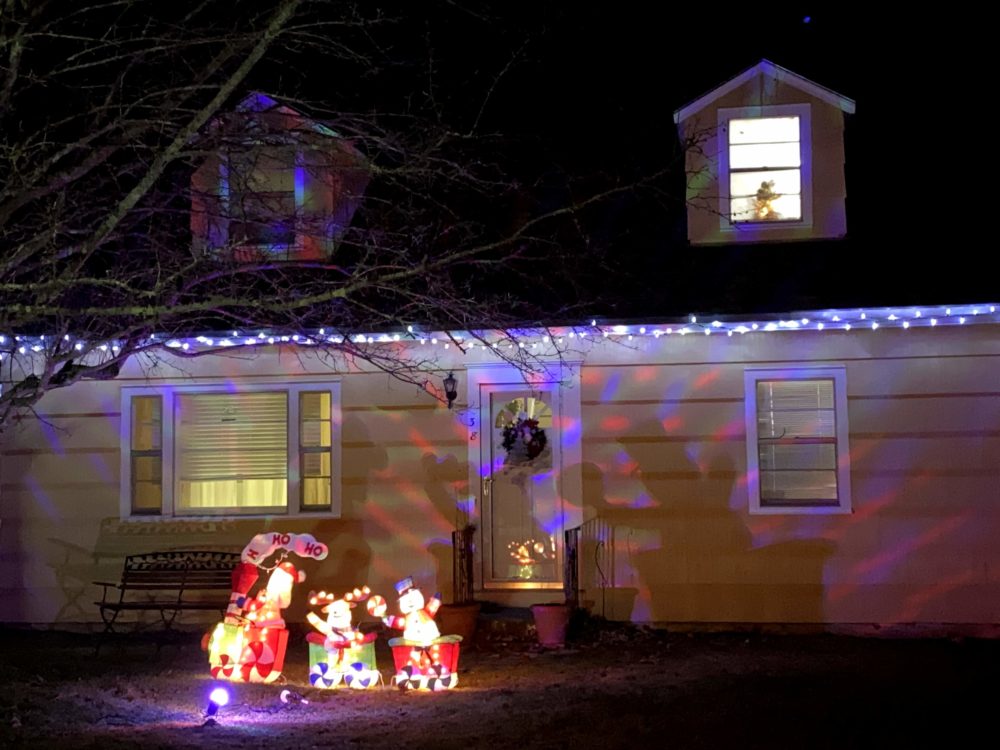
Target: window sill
column 801, row 510
column 202, row 517
column 247, row 253
column 739, row 226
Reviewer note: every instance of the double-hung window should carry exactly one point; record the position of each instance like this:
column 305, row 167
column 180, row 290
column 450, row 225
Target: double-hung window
column 765, row 165
column 797, row 441
column 264, row 195
column 217, row 450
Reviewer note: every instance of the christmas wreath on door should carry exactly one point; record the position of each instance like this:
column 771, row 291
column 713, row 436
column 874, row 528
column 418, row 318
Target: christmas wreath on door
column 524, row 439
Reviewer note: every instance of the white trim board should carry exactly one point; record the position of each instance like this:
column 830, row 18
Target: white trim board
column 771, row 70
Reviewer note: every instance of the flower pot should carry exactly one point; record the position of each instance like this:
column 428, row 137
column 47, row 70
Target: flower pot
column 550, row 623
column 459, row 619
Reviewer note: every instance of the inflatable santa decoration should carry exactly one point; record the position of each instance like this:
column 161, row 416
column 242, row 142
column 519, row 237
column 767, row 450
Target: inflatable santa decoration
column 249, row 644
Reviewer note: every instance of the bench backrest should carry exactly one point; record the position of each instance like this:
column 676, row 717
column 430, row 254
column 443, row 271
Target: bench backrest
column 180, row 569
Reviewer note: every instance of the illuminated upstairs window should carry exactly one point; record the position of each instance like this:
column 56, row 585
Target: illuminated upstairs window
column 764, row 159
column 765, row 169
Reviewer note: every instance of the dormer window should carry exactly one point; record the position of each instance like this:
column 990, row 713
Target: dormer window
column 764, row 158
column 277, row 186
column 765, row 174
column 765, row 169
column 262, row 205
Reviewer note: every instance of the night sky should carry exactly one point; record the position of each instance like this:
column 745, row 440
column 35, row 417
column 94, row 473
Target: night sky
column 590, row 95
column 586, row 101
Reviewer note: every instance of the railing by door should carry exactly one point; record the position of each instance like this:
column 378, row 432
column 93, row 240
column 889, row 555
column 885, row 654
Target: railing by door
column 589, row 568
column 463, row 551
column 571, row 566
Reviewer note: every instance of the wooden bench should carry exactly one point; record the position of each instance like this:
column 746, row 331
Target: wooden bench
column 169, row 582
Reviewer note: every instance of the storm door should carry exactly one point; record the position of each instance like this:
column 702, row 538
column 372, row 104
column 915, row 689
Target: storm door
column 521, row 506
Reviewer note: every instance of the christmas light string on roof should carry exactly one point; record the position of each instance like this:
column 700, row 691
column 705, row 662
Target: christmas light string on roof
column 833, row 320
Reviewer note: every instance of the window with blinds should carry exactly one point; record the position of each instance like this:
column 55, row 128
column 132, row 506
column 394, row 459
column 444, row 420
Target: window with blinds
column 258, row 449
column 797, row 442
column 232, row 450
column 797, row 451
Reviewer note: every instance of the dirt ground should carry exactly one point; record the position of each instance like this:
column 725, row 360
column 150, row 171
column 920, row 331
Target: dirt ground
column 613, row 687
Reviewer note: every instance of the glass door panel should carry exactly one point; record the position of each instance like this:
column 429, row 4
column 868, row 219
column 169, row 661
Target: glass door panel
column 522, row 510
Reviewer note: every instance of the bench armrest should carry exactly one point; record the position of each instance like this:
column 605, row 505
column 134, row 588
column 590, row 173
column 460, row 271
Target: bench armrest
column 109, row 585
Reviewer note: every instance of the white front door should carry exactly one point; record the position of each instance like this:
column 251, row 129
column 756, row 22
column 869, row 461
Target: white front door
column 522, row 511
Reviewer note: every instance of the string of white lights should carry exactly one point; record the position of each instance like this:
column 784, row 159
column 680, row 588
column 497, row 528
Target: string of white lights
column 833, row 320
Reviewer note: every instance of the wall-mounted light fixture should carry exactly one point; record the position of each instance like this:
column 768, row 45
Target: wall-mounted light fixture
column 450, row 388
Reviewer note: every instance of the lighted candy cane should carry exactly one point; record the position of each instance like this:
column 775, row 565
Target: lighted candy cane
column 377, row 607
column 260, row 548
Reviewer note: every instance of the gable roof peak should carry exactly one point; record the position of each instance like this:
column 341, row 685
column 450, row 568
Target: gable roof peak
column 257, row 102
column 771, row 70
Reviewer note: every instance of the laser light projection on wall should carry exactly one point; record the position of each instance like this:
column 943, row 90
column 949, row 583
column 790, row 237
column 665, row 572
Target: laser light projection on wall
column 249, row 644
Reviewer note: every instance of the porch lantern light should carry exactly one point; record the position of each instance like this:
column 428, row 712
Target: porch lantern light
column 450, row 388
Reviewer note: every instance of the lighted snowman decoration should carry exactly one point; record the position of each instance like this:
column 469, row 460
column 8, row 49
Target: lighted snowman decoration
column 417, row 620
column 424, row 660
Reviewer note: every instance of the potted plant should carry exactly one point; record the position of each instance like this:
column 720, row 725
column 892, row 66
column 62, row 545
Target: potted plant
column 461, row 616
column 551, row 620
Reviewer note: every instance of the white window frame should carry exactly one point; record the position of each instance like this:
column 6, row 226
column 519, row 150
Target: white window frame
column 838, row 375
column 169, row 392
column 725, row 114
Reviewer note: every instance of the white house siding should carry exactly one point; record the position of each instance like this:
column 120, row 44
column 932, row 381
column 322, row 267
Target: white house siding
column 663, row 471
column 665, row 468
